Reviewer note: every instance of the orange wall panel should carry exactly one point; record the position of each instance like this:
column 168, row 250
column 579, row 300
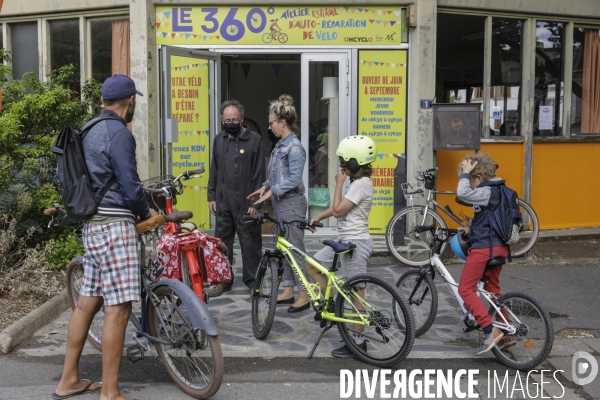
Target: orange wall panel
column 565, row 187
column 509, row 156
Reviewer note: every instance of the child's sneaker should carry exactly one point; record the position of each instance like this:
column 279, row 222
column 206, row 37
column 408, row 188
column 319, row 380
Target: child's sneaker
column 489, row 341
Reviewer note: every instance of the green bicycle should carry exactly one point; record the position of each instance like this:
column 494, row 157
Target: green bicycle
column 366, row 306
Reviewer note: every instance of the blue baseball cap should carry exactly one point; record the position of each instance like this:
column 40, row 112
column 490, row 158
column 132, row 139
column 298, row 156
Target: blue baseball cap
column 119, row 87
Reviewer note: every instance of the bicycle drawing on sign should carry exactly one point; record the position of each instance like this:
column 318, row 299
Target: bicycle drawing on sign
column 276, row 34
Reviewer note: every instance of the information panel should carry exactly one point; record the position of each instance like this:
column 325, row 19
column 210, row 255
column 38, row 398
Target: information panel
column 382, row 116
column 190, row 107
column 279, row 25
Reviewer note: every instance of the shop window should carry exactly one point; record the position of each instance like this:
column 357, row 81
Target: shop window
column 549, row 79
column 459, row 58
column 110, row 48
column 505, row 87
column 24, row 49
column 64, row 49
column 585, row 101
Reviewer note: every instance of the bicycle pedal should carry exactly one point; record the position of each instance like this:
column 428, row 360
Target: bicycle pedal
column 135, row 353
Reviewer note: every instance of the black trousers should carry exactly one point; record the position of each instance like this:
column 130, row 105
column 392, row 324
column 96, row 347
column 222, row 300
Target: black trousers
column 229, row 222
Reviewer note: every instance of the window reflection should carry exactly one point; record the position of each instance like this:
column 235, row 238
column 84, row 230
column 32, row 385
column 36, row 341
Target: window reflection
column 24, row 38
column 101, row 49
column 64, row 49
column 505, row 91
column 549, row 79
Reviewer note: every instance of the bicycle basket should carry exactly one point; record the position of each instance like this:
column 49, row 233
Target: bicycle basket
column 157, row 201
column 413, row 189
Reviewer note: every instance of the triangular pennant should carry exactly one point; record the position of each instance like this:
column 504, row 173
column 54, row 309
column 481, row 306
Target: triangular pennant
column 371, row 20
column 176, row 68
column 158, row 34
column 195, row 36
column 204, row 187
column 392, row 23
column 380, row 156
column 395, row 155
column 158, row 25
column 385, row 23
column 376, row 62
column 218, row 37
column 204, row 37
column 207, row 132
column 378, row 21
column 393, row 65
column 164, row 34
column 397, row 13
column 196, row 65
column 370, row 63
column 173, row 35
column 185, row 133
column 276, row 68
column 389, row 12
column 373, row 11
column 366, row 10
column 203, row 65
column 353, row 10
column 246, row 69
column 379, row 12
column 196, row 188
column 345, row 8
column 166, row 25
column 382, row 64
column 187, row 35
column 159, row 15
column 168, row 14
column 359, row 9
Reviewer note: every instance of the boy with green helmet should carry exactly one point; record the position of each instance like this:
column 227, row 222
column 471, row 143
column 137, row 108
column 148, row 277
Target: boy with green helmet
column 356, row 153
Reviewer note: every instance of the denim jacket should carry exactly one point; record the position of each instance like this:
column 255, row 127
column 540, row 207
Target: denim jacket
column 286, row 167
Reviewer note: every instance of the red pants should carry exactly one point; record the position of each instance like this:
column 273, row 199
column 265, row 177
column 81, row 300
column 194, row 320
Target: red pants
column 472, row 273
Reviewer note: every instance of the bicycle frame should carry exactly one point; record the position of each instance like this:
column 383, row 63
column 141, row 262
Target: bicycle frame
column 285, row 248
column 431, row 200
column 491, row 298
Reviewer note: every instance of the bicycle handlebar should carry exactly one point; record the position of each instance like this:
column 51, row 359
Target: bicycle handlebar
column 427, row 171
column 260, row 219
column 188, row 174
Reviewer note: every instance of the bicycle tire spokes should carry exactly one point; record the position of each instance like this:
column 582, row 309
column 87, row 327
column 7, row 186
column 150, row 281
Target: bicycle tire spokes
column 372, row 303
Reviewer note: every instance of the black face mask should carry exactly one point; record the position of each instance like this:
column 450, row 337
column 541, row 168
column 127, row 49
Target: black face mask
column 232, row 129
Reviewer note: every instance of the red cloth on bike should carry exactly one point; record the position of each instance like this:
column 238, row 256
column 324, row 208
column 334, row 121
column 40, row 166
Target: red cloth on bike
column 215, row 258
column 213, row 249
column 472, row 273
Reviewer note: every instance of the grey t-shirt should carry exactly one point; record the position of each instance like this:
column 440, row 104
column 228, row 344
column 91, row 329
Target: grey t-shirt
column 355, row 224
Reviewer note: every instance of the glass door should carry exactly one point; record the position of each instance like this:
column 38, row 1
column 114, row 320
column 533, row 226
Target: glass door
column 324, row 122
column 188, row 115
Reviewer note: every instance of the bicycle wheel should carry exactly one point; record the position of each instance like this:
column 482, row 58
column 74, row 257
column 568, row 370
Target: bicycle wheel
column 74, row 279
column 420, row 292
column 386, row 345
column 407, row 246
column 283, row 37
column 193, row 359
column 267, row 38
column 534, row 336
column 264, row 304
column 528, row 232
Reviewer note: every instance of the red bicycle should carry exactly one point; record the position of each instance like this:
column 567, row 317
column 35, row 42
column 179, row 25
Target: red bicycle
column 181, row 237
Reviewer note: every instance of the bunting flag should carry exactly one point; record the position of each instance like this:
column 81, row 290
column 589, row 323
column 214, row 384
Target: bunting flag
column 381, row 64
column 246, row 69
column 276, row 68
column 190, row 66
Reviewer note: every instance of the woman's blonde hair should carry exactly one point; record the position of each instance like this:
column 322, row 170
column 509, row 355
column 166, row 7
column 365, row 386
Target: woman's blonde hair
column 486, row 167
column 283, row 108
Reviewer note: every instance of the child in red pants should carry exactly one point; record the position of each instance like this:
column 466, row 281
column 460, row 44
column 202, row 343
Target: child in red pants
column 479, row 186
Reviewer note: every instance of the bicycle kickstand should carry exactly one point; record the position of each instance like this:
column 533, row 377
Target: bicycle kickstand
column 328, row 326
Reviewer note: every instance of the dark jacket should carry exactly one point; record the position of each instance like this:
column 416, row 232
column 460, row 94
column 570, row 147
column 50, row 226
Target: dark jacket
column 109, row 149
column 245, row 152
column 486, row 195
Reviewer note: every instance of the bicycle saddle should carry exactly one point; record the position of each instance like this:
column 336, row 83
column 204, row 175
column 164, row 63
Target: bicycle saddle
column 462, row 203
column 494, row 262
column 177, row 216
column 339, row 247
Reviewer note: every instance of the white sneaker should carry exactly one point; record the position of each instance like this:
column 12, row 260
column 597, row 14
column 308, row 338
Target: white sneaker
column 489, row 341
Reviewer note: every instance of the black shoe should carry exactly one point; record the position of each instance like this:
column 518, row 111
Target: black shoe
column 227, row 286
column 293, row 309
column 291, row 300
column 345, row 352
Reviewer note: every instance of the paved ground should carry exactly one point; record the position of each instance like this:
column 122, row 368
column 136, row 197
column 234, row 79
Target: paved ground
column 569, row 292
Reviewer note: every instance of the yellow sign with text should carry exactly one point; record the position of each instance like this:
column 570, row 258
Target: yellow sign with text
column 279, row 25
column 190, row 107
column 382, row 116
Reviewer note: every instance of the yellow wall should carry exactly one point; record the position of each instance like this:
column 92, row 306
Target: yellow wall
column 509, row 156
column 565, row 184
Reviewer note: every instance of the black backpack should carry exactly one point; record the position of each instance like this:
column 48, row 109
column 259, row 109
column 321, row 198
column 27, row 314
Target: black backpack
column 504, row 216
column 80, row 201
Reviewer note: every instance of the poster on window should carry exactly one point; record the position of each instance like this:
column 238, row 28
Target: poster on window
column 382, row 116
column 190, row 107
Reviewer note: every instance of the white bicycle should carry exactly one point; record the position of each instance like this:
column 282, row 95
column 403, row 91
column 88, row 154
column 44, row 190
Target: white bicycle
column 527, row 327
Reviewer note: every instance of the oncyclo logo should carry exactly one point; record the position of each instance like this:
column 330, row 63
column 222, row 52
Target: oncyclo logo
column 355, row 39
column 584, row 368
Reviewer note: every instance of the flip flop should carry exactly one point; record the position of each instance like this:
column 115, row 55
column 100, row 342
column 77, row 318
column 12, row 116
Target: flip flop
column 85, row 390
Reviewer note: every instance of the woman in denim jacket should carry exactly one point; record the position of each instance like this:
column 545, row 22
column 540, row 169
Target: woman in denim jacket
column 285, row 189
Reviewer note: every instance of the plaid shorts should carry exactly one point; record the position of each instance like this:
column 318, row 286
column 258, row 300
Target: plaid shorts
column 111, row 266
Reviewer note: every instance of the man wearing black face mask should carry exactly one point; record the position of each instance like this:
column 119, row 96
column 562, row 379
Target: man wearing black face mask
column 236, row 170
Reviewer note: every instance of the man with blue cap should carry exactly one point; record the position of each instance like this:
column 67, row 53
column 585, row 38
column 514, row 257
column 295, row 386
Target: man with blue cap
column 111, row 266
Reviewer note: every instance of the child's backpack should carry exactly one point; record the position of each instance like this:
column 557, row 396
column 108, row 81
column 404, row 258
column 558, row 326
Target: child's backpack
column 80, row 201
column 505, row 218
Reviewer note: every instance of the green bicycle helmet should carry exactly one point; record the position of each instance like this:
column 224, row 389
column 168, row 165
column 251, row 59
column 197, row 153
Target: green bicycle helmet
column 361, row 149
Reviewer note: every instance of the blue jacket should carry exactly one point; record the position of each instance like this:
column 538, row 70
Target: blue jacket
column 286, row 167
column 109, row 149
column 485, row 195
